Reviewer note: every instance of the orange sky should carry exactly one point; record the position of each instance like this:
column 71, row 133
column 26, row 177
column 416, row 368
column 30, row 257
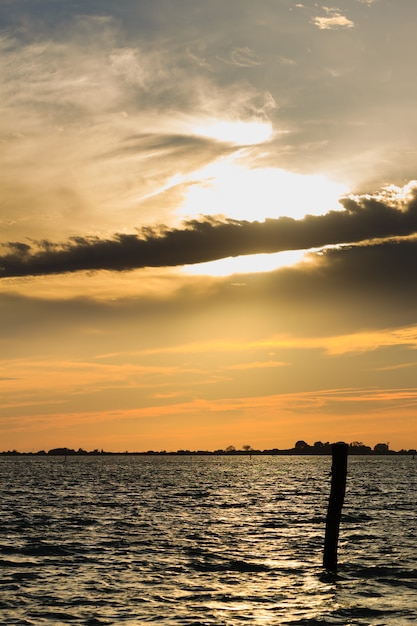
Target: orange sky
column 208, row 225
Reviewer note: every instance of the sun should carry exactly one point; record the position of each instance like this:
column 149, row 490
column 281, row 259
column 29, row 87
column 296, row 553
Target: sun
column 227, row 187
column 235, row 188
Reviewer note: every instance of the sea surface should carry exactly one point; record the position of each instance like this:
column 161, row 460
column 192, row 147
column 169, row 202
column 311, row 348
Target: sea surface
column 204, row 541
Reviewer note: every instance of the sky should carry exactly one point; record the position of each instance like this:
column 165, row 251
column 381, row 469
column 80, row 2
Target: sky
column 208, row 224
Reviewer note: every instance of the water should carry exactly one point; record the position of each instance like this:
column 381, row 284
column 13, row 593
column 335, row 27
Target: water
column 204, row 540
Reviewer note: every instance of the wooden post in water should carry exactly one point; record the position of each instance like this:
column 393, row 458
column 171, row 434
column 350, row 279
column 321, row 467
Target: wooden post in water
column 334, row 512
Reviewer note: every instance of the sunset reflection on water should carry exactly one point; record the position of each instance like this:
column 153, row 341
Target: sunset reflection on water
column 204, row 540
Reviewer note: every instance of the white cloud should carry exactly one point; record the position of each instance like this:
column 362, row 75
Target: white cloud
column 241, row 57
column 333, row 19
column 127, row 64
column 199, row 60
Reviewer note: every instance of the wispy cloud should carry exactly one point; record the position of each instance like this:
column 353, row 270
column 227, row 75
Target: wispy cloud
column 241, row 57
column 115, row 117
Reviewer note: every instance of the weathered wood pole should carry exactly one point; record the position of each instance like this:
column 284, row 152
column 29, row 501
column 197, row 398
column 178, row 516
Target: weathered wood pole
column 334, row 512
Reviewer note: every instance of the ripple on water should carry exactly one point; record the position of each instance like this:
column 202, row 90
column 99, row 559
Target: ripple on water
column 204, row 540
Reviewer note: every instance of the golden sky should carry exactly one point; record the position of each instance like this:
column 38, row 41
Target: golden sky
column 208, row 224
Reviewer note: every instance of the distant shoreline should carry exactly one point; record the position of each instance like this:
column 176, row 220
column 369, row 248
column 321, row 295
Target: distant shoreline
column 298, row 450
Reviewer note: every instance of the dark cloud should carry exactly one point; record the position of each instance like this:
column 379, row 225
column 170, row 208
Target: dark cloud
column 352, row 287
column 364, row 218
column 349, row 289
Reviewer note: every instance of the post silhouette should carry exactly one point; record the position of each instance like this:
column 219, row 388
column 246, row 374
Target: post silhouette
column 334, row 512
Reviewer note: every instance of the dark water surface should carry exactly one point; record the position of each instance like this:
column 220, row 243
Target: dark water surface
column 204, row 540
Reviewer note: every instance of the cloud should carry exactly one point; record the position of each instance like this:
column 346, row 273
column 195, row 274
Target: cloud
column 350, row 289
column 333, row 19
column 387, row 215
column 199, row 60
column 116, row 119
column 242, row 57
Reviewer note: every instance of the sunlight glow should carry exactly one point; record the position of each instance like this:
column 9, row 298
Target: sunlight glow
column 249, row 264
column 238, row 133
column 228, row 188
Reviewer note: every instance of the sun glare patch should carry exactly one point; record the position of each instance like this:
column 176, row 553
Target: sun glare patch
column 226, row 187
column 249, row 264
column 238, row 133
